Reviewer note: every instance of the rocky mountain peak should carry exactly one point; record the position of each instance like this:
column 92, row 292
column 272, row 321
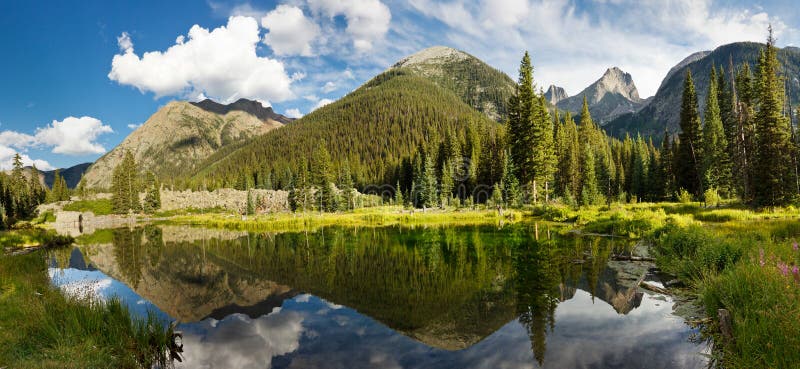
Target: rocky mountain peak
column 555, row 94
column 614, row 80
column 432, row 55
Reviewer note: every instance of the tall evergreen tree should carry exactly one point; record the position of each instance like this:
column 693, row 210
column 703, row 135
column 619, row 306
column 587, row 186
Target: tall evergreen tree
column 774, row 184
column 125, row 185
column 689, row 158
column 716, row 169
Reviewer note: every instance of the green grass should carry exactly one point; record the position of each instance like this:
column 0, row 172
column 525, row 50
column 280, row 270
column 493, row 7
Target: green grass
column 32, row 237
column 42, row 328
column 367, row 217
column 744, row 265
column 98, row 206
column 100, row 236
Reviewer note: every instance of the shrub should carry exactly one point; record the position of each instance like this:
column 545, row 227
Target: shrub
column 683, row 196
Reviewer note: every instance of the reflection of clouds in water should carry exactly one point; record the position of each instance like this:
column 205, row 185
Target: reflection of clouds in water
column 649, row 336
column 302, row 298
column 80, row 284
column 240, row 342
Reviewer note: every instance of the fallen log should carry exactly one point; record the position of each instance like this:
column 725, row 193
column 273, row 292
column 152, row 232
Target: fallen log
column 631, row 258
column 654, row 288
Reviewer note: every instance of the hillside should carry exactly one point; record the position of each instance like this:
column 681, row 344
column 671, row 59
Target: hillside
column 664, row 110
column 610, row 96
column 372, row 129
column 481, row 86
column 72, row 175
column 174, row 140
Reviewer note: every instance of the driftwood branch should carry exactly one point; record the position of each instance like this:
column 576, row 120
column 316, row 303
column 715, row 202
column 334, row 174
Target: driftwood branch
column 654, row 288
column 631, row 258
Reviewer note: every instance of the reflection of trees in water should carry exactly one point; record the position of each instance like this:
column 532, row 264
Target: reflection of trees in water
column 537, row 285
column 546, row 275
column 460, row 283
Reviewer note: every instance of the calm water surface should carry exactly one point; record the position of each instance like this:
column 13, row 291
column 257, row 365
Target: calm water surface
column 457, row 297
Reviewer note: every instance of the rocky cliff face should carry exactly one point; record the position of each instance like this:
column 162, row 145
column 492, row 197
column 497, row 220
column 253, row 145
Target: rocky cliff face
column 555, row 94
column 610, row 96
column 179, row 136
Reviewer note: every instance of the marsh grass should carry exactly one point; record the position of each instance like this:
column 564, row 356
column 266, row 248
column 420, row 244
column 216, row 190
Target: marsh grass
column 366, row 217
column 43, row 328
column 32, row 237
column 97, row 206
column 749, row 267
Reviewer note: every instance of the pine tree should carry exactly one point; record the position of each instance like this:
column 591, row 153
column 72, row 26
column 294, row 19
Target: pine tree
column 510, row 184
column 125, row 185
column 429, row 185
column 774, row 184
column 689, row 158
column 152, row 198
column 569, row 165
column 590, row 195
column 322, row 176
column 716, row 168
column 544, row 159
column 398, row 195
column 521, row 126
column 447, row 182
column 667, row 170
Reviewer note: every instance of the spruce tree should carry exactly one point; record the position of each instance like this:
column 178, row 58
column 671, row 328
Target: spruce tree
column 774, row 183
column 716, row 168
column 689, row 159
column 125, row 185
column 510, row 184
column 590, row 195
column 521, row 128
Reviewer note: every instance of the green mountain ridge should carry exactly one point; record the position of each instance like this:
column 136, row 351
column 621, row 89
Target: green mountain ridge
column 372, row 129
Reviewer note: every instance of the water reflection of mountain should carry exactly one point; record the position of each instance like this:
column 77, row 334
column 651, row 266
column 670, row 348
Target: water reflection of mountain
column 446, row 287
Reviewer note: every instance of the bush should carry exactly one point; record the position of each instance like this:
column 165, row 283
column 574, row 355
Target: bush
column 683, row 196
column 711, row 197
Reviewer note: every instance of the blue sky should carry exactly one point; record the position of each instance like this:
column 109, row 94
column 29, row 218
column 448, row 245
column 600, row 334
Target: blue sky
column 80, row 75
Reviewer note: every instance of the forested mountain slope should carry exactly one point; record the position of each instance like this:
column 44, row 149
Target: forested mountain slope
column 370, row 130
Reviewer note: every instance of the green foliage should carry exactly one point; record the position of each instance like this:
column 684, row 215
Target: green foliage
column 373, row 129
column 688, row 161
column 774, row 185
column 152, row 198
column 716, row 160
column 52, row 330
column 711, row 197
column 125, row 186
column 60, row 191
column 96, row 206
column 20, row 194
column 683, row 196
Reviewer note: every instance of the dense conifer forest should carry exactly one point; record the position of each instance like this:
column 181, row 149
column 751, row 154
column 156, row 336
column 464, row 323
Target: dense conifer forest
column 403, row 137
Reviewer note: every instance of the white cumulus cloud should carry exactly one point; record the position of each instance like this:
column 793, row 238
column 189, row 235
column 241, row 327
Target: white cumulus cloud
column 329, row 87
column 7, row 159
column 293, row 113
column 221, row 63
column 73, row 136
column 321, row 103
column 290, row 32
column 367, row 20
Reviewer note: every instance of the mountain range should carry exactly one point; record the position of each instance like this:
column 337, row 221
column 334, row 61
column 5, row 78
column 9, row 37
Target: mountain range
column 663, row 111
column 436, row 92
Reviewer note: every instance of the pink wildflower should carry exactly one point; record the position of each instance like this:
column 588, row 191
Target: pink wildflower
column 783, row 268
column 761, row 257
column 795, row 247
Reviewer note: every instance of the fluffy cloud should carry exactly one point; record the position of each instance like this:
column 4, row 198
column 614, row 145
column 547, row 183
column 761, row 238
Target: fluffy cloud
column 241, row 342
column 367, row 20
column 221, row 63
column 573, row 43
column 321, row 103
column 73, row 136
column 293, row 113
column 290, row 32
column 133, row 127
column 7, row 159
column 329, row 87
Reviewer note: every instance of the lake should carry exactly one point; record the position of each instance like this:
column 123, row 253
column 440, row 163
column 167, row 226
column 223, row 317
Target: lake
column 519, row 296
